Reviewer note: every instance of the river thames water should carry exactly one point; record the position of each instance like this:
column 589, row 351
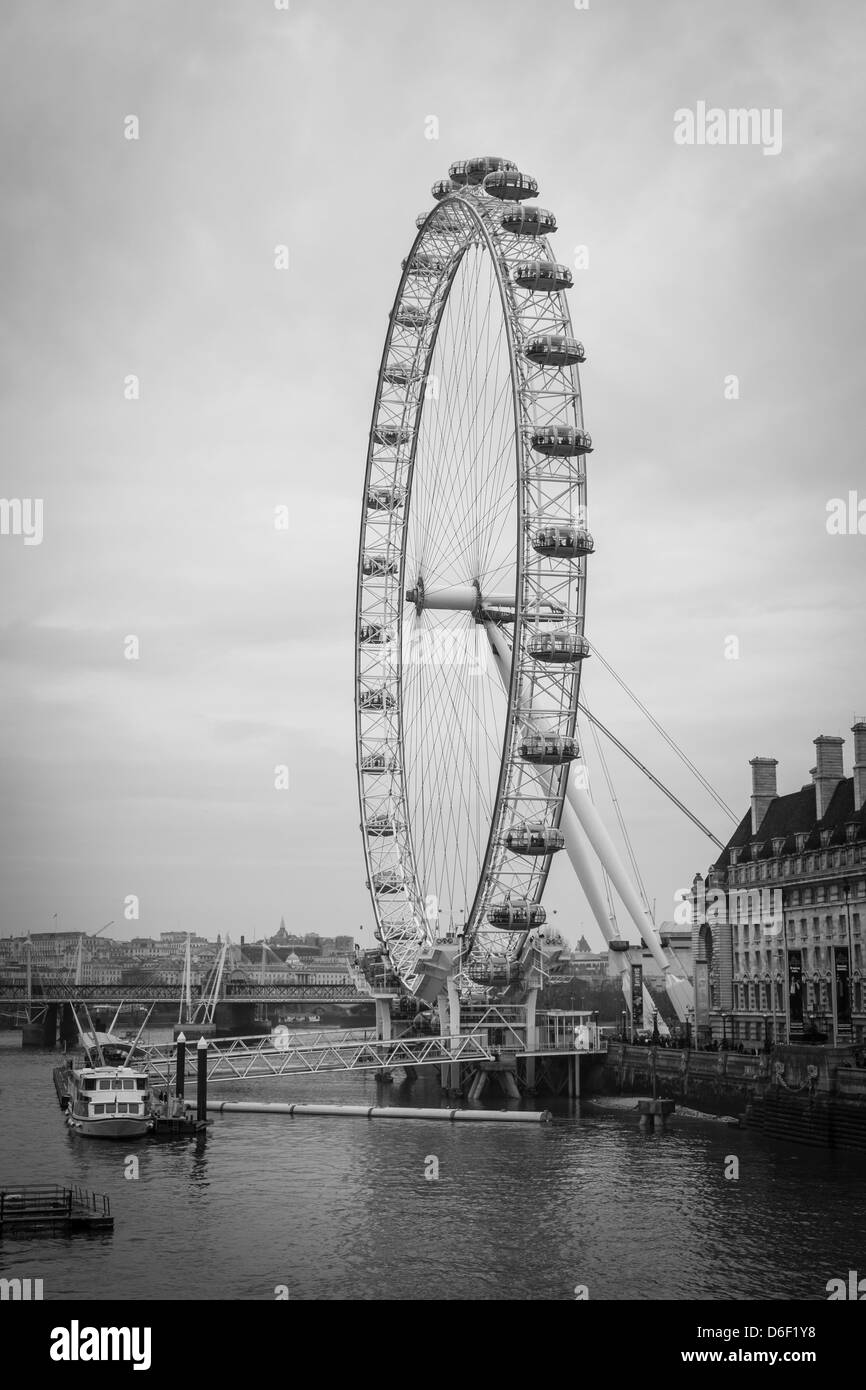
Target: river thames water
column 341, row 1209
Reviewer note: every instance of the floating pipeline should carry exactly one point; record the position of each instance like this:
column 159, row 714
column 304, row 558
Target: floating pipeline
column 379, row 1112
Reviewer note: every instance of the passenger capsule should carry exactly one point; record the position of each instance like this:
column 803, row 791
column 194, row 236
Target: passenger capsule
column 410, row 316
column 392, row 435
column 374, row 563
column 424, row 265
column 381, row 826
column 562, row 542
column 442, row 187
column 494, row 971
column 396, row 374
column 510, row 184
column 478, row 169
column 516, row 914
column 534, row 840
column 377, row 699
column 378, row 762
column 563, row 441
column 388, row 881
column 554, row 350
column 528, row 221
column 549, row 750
column 563, row 647
column 373, row 633
column 545, row 276
column 458, row 171
column 385, row 499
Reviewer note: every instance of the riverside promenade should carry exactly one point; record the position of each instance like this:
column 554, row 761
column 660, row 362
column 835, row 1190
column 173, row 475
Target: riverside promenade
column 811, row 1094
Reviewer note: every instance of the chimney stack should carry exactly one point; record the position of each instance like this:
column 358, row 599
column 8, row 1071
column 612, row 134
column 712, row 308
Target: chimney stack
column 859, row 732
column 828, row 773
column 763, row 788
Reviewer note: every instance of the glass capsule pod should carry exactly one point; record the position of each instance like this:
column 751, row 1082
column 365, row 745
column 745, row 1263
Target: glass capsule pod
column 410, row 316
column 477, row 169
column 534, row 840
column 561, row 441
column 375, row 563
column 544, row 276
column 516, row 914
column 392, row 435
column 495, row 971
column 554, row 350
column 562, row 647
column 378, row 762
column 377, row 699
column 561, row 541
column 385, row 499
column 389, row 881
column 381, row 826
column 533, row 221
column 458, row 171
column 549, row 750
column 442, row 187
column 510, row 184
column 397, row 373
column 423, row 264
column 374, row 633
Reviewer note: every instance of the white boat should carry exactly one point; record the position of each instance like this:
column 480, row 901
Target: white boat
column 109, row 1102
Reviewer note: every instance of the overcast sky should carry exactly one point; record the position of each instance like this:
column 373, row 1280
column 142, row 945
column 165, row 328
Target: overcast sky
column 155, row 257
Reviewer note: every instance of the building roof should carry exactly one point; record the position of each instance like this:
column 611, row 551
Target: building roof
column 797, row 813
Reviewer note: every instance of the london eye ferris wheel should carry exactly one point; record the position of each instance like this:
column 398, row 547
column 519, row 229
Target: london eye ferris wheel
column 471, row 586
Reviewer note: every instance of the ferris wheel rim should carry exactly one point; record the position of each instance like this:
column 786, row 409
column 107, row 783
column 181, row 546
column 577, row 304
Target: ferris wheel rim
column 481, row 234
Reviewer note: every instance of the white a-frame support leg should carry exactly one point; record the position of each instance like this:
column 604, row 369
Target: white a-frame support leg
column 596, row 833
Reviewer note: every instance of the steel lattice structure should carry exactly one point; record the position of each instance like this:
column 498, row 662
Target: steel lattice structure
column 472, row 562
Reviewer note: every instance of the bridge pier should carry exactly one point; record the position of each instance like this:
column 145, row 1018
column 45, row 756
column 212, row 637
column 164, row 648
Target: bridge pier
column 383, row 1018
column 449, row 1026
column 68, row 1027
column 236, row 1020
column 44, row 1032
column 531, row 1038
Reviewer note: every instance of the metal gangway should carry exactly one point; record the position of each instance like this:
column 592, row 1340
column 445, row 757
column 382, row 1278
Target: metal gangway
column 242, row 1059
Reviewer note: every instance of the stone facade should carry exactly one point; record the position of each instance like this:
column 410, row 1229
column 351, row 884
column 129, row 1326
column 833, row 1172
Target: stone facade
column 778, row 920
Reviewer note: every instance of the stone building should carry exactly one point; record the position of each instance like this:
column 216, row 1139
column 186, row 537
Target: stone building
column 777, row 930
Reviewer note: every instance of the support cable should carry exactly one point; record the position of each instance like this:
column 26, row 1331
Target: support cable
column 671, row 742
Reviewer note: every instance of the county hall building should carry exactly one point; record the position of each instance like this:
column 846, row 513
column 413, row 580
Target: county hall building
column 777, row 928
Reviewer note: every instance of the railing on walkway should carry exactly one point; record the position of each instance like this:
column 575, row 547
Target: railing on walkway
column 237, row 1059
column 235, row 992
column 36, row 1202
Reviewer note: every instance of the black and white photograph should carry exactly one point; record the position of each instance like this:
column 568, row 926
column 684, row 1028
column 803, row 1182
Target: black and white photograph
column 432, row 671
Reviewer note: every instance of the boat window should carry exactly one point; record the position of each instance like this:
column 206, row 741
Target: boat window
column 141, row 1083
column 90, row 1085
column 98, row 1109
column 110, row 1107
column 105, row 1085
